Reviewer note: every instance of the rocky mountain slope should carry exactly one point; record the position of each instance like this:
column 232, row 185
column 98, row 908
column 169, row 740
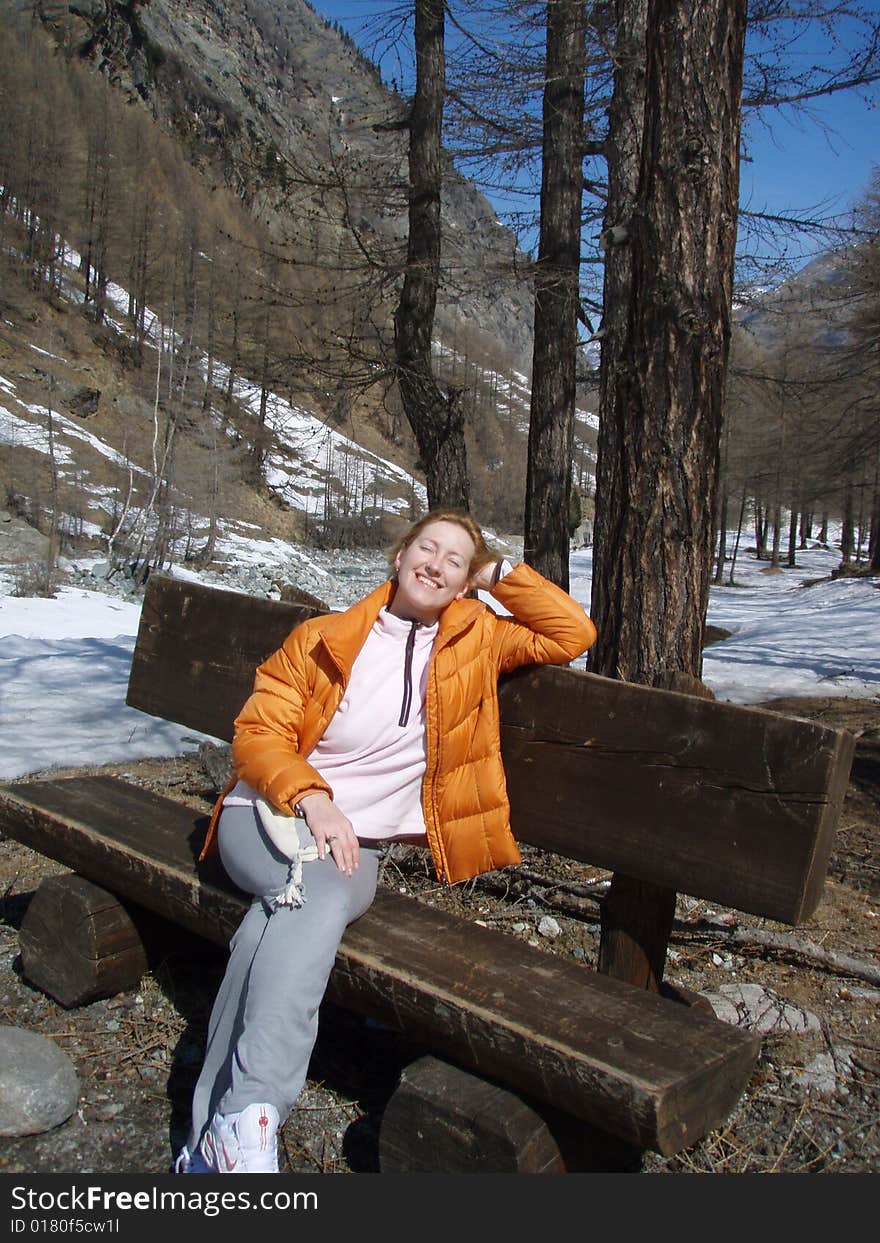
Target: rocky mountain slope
column 281, row 106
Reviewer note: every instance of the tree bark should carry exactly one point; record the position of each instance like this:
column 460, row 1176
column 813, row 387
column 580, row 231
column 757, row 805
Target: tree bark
column 614, row 449
column 664, row 363
column 551, row 419
column 437, row 418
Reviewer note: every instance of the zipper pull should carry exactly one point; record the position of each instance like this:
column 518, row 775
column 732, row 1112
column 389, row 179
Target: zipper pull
column 407, row 675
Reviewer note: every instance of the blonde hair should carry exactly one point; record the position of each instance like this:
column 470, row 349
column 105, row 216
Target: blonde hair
column 483, row 554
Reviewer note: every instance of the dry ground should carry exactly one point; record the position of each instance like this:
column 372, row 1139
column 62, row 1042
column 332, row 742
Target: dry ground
column 137, row 1054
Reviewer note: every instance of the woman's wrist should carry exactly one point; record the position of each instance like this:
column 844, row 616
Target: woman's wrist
column 311, row 800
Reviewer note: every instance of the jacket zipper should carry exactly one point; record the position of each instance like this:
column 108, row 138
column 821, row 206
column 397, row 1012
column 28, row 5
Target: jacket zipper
column 407, row 674
column 436, row 850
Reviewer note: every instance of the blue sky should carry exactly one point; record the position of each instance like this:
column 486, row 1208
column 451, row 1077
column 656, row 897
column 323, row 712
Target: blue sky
column 818, row 158
column 822, row 158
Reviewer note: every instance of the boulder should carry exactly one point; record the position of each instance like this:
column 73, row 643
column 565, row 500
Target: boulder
column 761, row 1010
column 20, row 543
column 39, row 1087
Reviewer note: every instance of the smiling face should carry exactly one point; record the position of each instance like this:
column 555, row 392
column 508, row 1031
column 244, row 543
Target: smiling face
column 432, row 571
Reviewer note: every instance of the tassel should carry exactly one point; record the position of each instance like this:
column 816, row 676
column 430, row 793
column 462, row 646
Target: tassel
column 283, row 832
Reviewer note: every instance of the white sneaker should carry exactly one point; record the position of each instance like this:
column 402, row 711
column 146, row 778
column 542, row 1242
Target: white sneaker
column 243, row 1143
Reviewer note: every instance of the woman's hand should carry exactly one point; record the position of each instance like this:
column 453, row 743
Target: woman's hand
column 330, row 828
column 486, row 577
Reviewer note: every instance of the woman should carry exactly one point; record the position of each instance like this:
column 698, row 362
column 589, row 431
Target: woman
column 375, row 725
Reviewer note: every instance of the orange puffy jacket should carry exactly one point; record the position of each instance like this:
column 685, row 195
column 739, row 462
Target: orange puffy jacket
column 464, row 797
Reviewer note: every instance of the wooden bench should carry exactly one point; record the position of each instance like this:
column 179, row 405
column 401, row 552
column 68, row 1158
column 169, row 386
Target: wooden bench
column 542, row 1055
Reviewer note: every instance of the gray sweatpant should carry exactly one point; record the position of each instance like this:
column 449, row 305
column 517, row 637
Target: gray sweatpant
column 265, row 1018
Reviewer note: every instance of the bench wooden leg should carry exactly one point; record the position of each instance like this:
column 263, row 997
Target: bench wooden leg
column 79, row 943
column 442, row 1119
column 636, row 923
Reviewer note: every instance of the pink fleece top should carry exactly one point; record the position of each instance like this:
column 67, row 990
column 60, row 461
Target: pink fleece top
column 372, row 754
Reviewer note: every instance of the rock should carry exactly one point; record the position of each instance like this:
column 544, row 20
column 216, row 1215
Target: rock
column 827, row 1073
column 760, row 1010
column 548, row 927
column 83, row 402
column 715, row 634
column 39, row 1087
column 20, row 543
column 216, row 761
column 106, row 1113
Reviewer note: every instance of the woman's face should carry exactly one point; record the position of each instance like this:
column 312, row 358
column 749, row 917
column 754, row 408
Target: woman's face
column 432, row 571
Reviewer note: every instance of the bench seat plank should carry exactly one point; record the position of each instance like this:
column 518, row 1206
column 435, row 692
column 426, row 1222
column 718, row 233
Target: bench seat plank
column 654, row 1073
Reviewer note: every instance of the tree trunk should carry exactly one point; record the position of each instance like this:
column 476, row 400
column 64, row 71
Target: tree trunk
column 437, row 418
column 846, row 535
column 739, row 527
column 551, row 419
column 874, row 537
column 664, row 363
column 792, row 539
column 777, row 526
column 625, row 124
column 874, row 543
column 760, row 531
column 723, row 508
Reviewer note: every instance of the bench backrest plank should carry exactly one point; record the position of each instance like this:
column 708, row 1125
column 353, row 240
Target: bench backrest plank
column 197, row 649
column 732, row 804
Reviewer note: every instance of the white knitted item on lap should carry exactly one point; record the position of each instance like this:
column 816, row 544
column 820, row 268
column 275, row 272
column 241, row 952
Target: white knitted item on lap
column 283, row 832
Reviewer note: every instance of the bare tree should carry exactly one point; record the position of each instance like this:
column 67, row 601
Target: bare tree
column 557, row 276
column 436, row 417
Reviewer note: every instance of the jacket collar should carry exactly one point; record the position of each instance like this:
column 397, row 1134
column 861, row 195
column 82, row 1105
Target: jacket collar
column 344, row 634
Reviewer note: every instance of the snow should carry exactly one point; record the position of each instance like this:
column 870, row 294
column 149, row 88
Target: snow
column 64, row 662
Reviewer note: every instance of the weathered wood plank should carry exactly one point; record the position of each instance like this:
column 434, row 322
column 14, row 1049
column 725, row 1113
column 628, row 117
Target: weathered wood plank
column 197, row 649
column 710, row 799
column 646, row 1069
column 636, row 919
column 131, row 841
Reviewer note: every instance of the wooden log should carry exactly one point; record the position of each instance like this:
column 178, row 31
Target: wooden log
column 442, row 1120
column 79, row 943
column 631, row 1063
column 137, row 844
